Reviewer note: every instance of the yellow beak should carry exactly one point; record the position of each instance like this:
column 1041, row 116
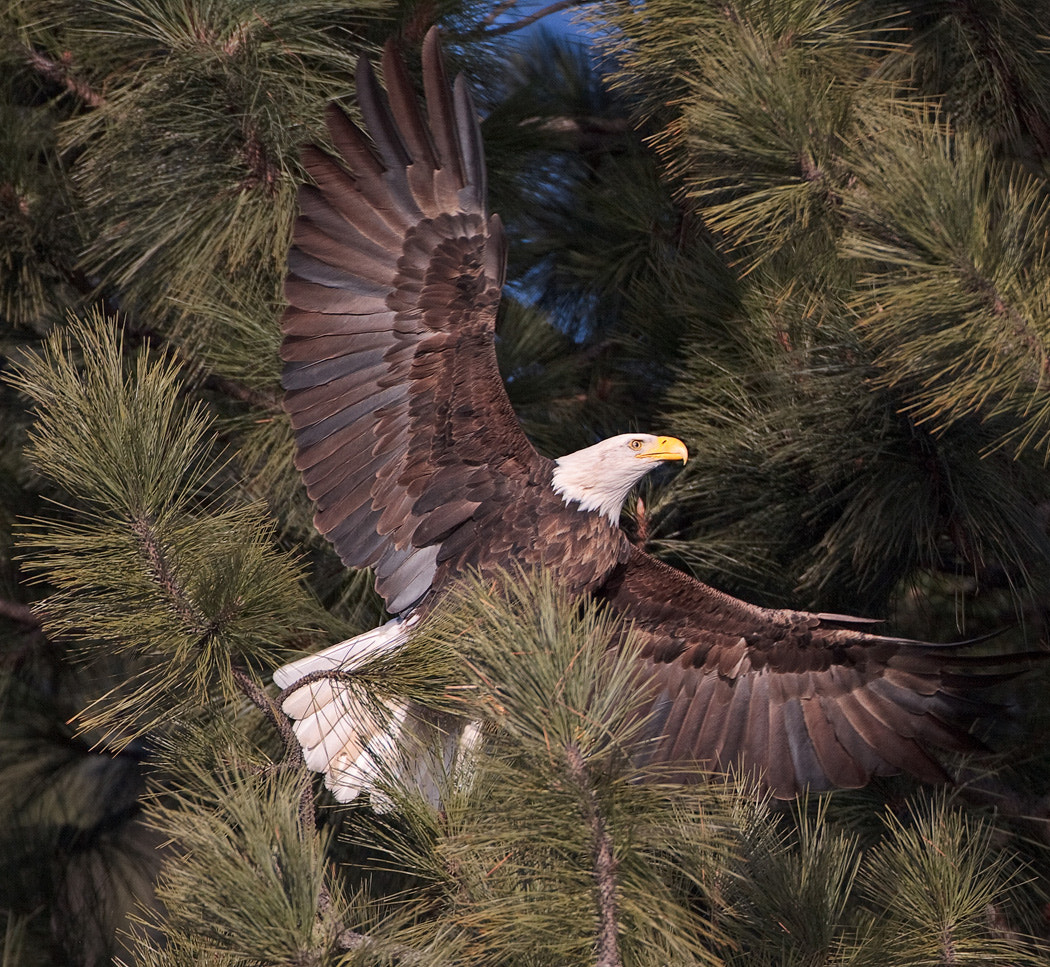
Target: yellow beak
column 665, row 448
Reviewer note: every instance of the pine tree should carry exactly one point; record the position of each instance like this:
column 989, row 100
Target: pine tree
column 806, row 236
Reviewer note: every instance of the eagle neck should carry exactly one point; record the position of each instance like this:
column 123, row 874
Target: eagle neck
column 575, row 481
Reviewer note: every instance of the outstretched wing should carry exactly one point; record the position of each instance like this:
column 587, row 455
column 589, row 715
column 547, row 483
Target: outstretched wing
column 403, row 429
column 800, row 700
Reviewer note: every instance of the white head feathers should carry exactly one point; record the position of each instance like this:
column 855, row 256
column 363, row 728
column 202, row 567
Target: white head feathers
column 600, row 477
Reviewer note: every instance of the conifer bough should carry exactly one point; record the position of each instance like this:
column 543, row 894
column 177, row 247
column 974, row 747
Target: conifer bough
column 409, row 448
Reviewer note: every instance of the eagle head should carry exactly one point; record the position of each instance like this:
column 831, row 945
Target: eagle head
column 600, row 477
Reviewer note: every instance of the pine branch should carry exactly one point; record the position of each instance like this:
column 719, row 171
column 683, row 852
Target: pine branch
column 238, row 391
column 497, row 11
column 988, row 49
column 987, row 790
column 293, row 753
column 152, row 548
column 160, row 570
column 139, row 333
column 486, row 31
column 262, row 701
column 350, row 939
column 262, row 170
column 607, row 948
column 587, row 133
column 1021, row 328
column 61, row 72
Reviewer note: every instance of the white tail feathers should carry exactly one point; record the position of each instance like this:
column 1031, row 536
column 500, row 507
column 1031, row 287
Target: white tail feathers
column 360, row 743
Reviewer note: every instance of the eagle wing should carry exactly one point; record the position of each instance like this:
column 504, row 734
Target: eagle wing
column 403, row 428
column 797, row 700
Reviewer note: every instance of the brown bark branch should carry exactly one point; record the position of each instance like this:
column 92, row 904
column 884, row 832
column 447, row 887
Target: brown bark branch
column 986, row 789
column 263, row 171
column 607, row 945
column 246, row 394
column 61, row 72
column 152, row 550
column 399, row 953
column 498, row 9
column 293, row 753
column 508, row 28
column 587, row 134
column 260, row 698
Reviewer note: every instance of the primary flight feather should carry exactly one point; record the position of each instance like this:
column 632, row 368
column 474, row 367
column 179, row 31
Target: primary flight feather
column 409, row 447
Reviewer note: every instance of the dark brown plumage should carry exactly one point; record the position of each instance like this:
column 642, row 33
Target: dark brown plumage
column 409, row 447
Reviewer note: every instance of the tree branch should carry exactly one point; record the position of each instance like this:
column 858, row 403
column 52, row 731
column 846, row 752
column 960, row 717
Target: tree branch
column 156, row 560
column 486, row 31
column 607, row 946
column 498, row 9
column 587, row 134
column 260, row 698
column 399, row 953
column 238, row 391
column 293, row 754
column 61, row 72
column 262, row 170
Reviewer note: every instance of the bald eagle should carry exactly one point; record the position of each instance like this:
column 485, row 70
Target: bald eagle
column 409, row 447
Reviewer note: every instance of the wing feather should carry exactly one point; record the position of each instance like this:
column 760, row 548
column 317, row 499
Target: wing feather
column 347, row 195
column 403, row 430
column 778, row 770
column 358, row 405
column 442, row 117
column 384, row 130
column 335, row 221
column 841, row 768
column 735, row 728
column 754, row 744
column 306, row 294
column 696, row 711
column 404, row 105
column 799, row 701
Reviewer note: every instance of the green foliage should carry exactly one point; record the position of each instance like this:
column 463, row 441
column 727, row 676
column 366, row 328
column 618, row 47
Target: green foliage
column 240, row 843
column 957, row 291
column 596, row 240
column 930, row 888
column 938, row 885
column 34, row 218
column 890, row 329
column 550, row 811
column 185, row 583
column 793, row 904
column 194, row 119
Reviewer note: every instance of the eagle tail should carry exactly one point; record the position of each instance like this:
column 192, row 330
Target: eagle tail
column 363, row 743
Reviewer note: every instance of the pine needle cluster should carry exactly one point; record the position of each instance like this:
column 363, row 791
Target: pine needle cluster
column 884, row 373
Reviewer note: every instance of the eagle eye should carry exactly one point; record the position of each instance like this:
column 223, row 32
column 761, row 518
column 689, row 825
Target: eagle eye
column 635, row 444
